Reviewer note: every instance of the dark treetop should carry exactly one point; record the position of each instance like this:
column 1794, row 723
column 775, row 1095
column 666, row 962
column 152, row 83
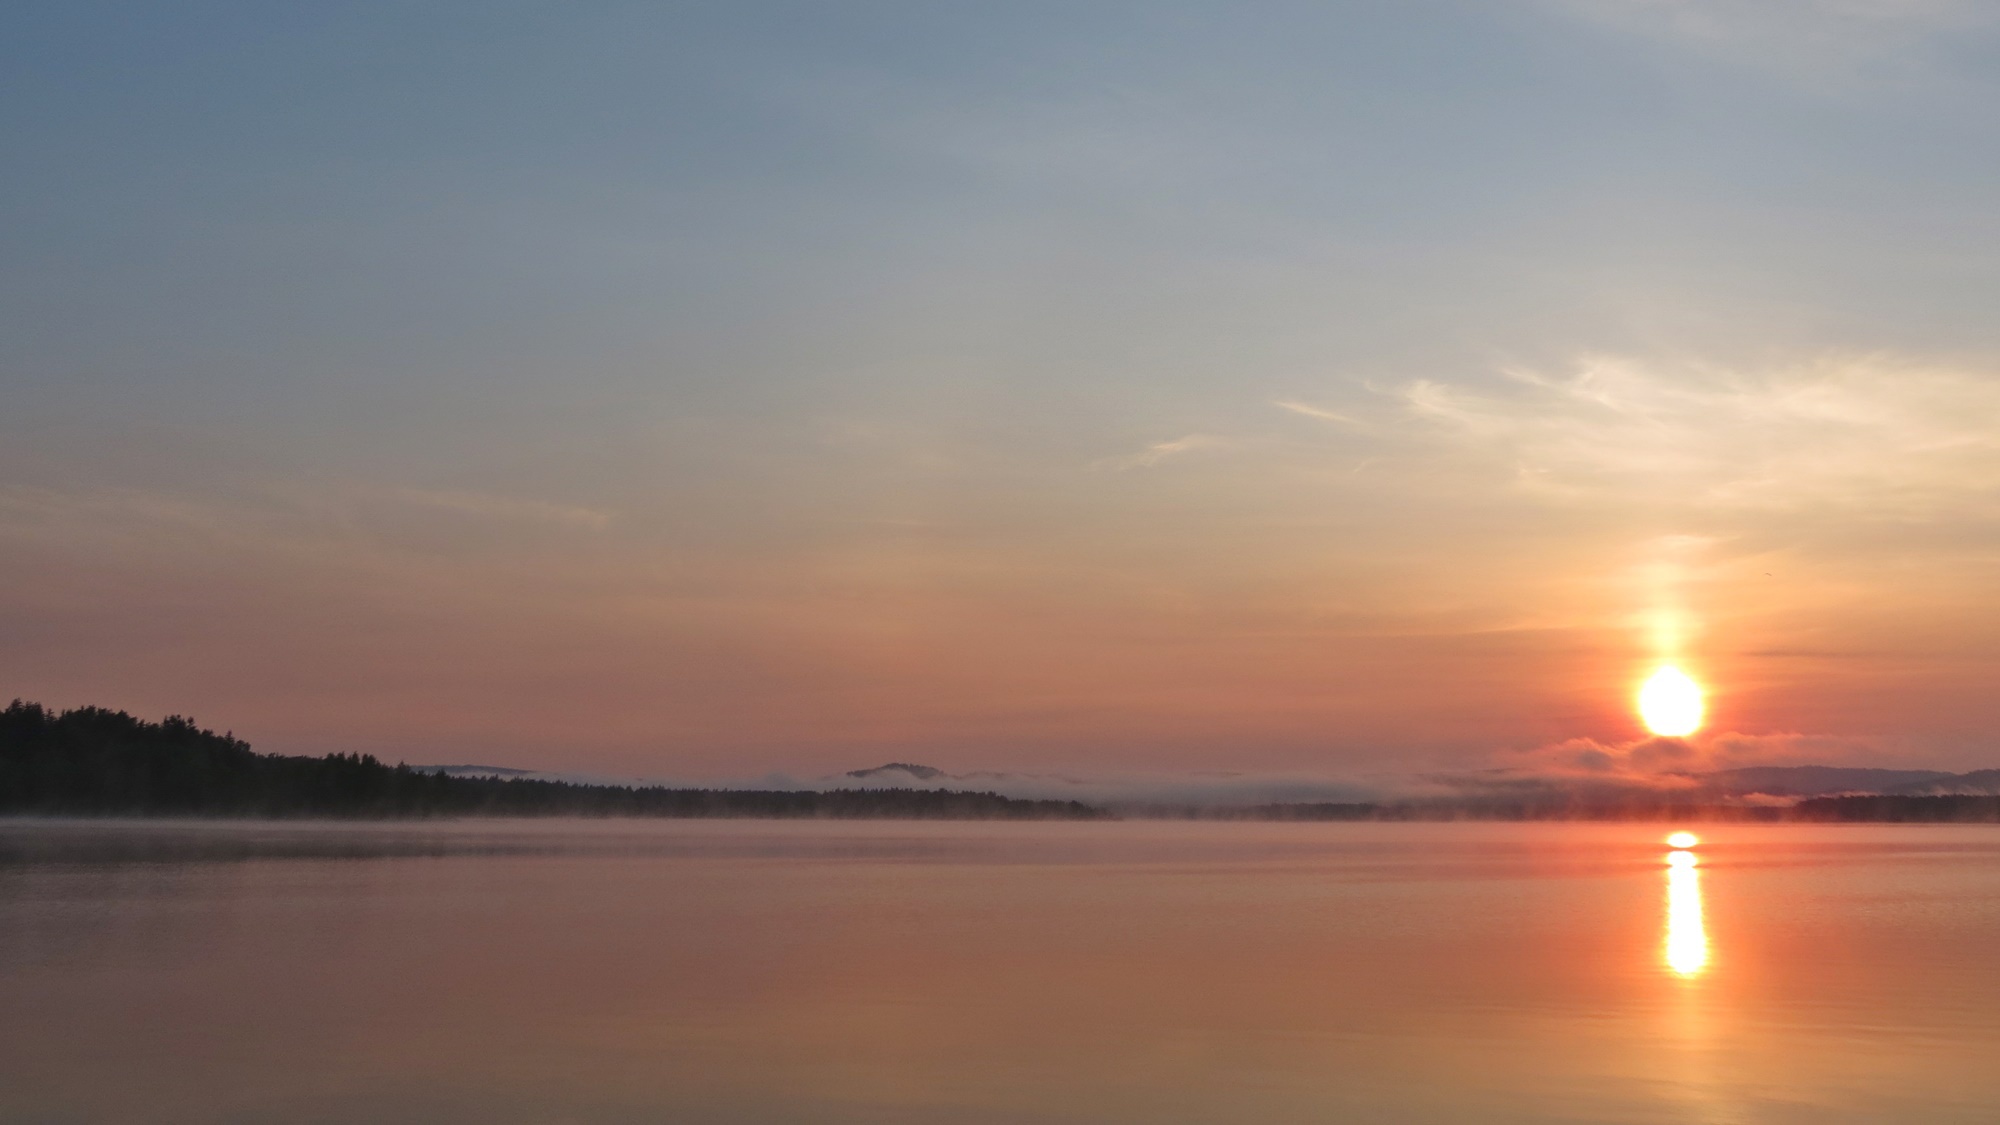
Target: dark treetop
column 94, row 762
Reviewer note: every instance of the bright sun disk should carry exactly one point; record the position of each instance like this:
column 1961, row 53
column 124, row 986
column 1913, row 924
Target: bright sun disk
column 1670, row 703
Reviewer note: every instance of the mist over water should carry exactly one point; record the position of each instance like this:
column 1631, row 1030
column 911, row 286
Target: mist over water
column 946, row 972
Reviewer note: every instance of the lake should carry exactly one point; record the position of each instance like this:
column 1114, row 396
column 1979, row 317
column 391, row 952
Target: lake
column 772, row 972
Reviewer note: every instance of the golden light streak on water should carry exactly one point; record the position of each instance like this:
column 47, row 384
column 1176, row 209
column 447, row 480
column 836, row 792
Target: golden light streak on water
column 1687, row 937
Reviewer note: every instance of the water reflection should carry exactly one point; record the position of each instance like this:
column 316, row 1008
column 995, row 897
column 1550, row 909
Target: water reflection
column 1687, row 937
column 960, row 973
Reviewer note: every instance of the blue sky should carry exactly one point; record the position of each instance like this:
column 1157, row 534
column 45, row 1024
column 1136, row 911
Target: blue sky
column 706, row 387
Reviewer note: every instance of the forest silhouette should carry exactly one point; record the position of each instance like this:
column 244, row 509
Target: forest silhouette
column 92, row 761
column 96, row 762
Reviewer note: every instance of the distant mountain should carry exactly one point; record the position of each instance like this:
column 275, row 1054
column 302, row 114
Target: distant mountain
column 1978, row 781
column 888, row 771
column 1830, row 781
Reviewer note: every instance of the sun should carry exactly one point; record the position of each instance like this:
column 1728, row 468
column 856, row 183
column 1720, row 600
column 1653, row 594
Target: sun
column 1670, row 703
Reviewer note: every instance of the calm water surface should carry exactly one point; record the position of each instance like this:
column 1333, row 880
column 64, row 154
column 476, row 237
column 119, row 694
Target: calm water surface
column 761, row 972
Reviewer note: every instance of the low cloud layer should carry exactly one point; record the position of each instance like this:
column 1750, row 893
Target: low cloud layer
column 1665, row 763
column 1728, row 768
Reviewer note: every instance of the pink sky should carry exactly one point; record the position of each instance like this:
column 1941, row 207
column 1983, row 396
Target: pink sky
column 695, row 393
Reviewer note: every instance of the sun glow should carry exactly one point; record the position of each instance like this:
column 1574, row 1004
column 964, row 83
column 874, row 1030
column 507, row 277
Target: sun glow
column 1687, row 936
column 1671, row 703
column 1683, row 840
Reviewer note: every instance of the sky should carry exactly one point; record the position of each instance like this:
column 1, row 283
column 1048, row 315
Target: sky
column 708, row 389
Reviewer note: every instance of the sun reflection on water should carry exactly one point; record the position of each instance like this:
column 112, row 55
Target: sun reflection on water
column 1687, row 937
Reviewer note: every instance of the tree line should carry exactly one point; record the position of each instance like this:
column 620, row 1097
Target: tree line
column 96, row 762
column 91, row 761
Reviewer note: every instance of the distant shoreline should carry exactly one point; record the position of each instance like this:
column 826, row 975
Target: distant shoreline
column 95, row 763
column 584, row 803
column 91, row 762
column 1863, row 809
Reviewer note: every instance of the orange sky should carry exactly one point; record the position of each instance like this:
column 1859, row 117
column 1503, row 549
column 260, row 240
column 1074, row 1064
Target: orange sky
column 695, row 395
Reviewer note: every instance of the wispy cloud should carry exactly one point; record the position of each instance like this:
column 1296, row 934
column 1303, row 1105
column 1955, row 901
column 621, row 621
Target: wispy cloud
column 1821, row 41
column 1159, row 451
column 1310, row 411
column 1851, row 434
